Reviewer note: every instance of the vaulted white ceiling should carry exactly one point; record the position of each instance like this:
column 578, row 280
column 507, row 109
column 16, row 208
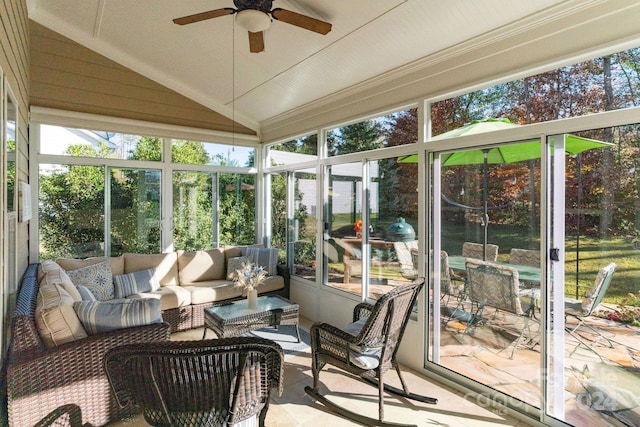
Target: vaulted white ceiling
column 210, row 62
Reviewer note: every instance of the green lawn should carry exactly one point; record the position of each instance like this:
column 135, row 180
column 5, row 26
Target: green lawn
column 594, row 254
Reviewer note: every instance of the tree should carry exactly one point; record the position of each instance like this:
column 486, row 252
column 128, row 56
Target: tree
column 72, row 206
column 401, row 129
column 363, row 136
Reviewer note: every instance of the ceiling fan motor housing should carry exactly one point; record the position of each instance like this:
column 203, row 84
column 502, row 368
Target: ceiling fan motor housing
column 261, row 5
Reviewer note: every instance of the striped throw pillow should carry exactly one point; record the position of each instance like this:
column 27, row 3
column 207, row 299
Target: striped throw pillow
column 133, row 283
column 266, row 258
column 99, row 317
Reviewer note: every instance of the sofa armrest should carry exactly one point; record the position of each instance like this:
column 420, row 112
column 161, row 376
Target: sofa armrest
column 283, row 271
column 38, row 382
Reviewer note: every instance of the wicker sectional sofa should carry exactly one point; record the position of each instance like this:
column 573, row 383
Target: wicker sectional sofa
column 41, row 377
column 189, row 281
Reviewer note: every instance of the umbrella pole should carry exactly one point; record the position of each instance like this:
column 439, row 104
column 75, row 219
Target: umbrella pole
column 485, row 202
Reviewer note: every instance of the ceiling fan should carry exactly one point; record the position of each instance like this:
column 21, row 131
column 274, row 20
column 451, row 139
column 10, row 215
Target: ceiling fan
column 255, row 16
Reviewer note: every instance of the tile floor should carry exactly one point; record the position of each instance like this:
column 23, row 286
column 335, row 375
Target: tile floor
column 296, row 408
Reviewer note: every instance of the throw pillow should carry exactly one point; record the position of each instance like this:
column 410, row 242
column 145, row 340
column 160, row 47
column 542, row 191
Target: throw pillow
column 85, row 294
column 133, row 283
column 55, row 318
column 266, row 258
column 52, row 273
column 234, row 264
column 99, row 317
column 97, row 278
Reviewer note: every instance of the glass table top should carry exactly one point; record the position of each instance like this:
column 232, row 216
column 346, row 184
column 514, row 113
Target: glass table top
column 239, row 308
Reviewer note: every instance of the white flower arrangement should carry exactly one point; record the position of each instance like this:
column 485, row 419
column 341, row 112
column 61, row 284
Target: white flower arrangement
column 249, row 277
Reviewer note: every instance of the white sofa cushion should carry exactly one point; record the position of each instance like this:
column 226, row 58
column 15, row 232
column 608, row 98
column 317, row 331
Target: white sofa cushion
column 200, row 266
column 212, row 291
column 115, row 263
column 234, row 264
column 219, row 290
column 166, row 265
column 55, row 318
column 170, row 296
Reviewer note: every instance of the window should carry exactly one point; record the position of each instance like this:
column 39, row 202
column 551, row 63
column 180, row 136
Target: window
column 64, row 141
column 387, row 131
column 135, row 211
column 208, row 153
column 202, row 206
column 193, row 207
column 602, row 84
column 71, row 211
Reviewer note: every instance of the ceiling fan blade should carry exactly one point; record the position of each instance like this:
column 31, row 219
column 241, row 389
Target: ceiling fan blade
column 302, row 21
column 190, row 19
column 256, row 42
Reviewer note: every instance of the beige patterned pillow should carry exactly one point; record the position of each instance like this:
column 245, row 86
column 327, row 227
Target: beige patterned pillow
column 234, row 264
column 97, row 278
column 56, row 320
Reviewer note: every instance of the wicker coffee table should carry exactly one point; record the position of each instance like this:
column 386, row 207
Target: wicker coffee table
column 234, row 318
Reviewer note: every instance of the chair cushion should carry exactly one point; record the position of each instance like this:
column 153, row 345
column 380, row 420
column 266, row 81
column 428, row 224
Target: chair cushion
column 266, row 258
column 99, row 317
column 138, row 281
column 97, row 278
column 55, row 318
column 362, row 356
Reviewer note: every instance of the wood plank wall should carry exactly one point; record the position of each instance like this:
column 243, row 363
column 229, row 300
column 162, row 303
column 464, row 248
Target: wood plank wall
column 14, row 62
column 68, row 76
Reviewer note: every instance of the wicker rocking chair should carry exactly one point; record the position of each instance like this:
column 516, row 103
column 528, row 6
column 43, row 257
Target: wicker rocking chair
column 367, row 348
column 216, row 382
column 69, row 415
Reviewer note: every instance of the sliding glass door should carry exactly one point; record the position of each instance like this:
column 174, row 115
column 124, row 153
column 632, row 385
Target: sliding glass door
column 486, row 268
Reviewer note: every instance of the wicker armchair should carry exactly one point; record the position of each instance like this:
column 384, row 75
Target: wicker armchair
column 367, row 347
column 216, row 382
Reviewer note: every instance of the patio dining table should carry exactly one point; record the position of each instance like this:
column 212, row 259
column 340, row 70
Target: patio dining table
column 526, row 273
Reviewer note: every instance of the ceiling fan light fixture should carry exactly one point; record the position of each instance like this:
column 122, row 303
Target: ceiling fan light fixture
column 253, row 20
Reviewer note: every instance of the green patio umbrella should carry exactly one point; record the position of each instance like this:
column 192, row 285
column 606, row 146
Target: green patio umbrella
column 511, row 153
column 506, row 153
